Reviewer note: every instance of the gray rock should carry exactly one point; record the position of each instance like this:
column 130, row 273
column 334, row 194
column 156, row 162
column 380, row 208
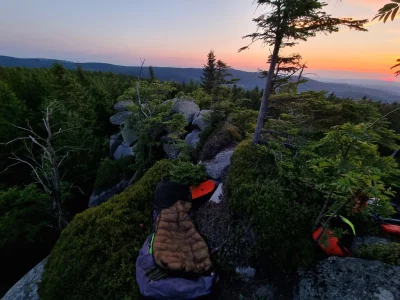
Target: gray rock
column 122, row 151
column 115, row 142
column 173, row 101
column 99, row 197
column 218, row 194
column 123, row 105
column 358, row 242
column 199, row 119
column 217, row 167
column 171, row 150
column 119, row 118
column 246, row 274
column 188, row 108
column 350, row 279
column 27, row 287
column 129, row 136
column 193, row 138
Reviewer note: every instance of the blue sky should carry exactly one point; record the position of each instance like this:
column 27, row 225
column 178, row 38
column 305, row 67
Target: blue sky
column 181, row 32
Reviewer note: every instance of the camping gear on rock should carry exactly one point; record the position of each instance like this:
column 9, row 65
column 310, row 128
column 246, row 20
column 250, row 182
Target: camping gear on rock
column 177, row 245
column 174, row 262
column 331, row 244
column 168, row 286
column 203, row 189
column 391, row 226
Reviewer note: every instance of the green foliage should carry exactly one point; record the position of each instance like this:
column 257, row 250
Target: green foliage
column 348, row 165
column 187, row 173
column 387, row 253
column 389, row 10
column 111, row 172
column 96, row 254
column 223, row 136
column 151, row 94
column 281, row 214
column 202, row 99
column 245, row 120
column 23, row 215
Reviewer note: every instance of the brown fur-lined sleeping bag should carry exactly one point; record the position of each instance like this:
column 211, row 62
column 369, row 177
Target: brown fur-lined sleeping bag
column 177, row 245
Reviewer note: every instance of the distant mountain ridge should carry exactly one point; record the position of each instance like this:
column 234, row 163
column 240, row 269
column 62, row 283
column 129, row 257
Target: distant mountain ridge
column 248, row 80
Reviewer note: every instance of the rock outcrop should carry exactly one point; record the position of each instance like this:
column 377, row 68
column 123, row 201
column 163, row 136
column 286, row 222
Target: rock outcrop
column 193, row 138
column 188, row 108
column 115, row 141
column 350, row 279
column 119, row 118
column 122, row 151
column 98, row 198
column 27, row 287
column 123, row 105
column 129, row 136
column 200, row 119
column 216, row 168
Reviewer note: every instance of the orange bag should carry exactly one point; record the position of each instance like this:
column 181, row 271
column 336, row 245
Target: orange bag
column 203, row 189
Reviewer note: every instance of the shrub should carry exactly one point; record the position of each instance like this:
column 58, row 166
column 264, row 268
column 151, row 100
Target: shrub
column 112, row 172
column 23, row 215
column 96, row 254
column 258, row 190
column 222, row 137
column 387, row 253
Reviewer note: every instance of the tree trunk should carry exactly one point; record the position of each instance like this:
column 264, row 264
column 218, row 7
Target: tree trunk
column 267, row 92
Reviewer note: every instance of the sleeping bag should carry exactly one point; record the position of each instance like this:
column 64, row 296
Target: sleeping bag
column 174, row 262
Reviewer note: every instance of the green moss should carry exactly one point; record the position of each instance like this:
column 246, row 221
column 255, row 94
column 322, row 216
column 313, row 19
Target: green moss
column 257, row 189
column 222, row 137
column 387, row 253
column 96, row 254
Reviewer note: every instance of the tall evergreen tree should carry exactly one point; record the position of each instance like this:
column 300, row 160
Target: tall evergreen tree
column 283, row 24
column 209, row 73
column 151, row 74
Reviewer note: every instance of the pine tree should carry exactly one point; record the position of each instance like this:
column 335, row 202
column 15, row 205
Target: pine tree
column 151, row 74
column 284, row 23
column 209, row 73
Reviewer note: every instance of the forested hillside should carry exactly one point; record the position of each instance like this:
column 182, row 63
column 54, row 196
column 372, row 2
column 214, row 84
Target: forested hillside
column 248, row 80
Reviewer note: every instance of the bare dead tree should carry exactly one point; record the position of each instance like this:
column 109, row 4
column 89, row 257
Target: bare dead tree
column 46, row 165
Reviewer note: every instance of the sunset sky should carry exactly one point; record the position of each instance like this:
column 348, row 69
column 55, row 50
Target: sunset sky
column 179, row 33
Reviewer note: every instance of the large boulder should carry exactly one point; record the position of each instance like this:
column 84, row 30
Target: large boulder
column 115, row 141
column 122, row 151
column 119, row 118
column 193, row 138
column 98, row 198
column 216, row 168
column 350, row 279
column 27, row 287
column 129, row 136
column 200, row 119
column 186, row 107
column 123, row 105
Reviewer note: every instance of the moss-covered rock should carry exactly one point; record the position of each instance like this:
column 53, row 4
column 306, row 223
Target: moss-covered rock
column 387, row 253
column 96, row 254
column 223, row 136
column 257, row 189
